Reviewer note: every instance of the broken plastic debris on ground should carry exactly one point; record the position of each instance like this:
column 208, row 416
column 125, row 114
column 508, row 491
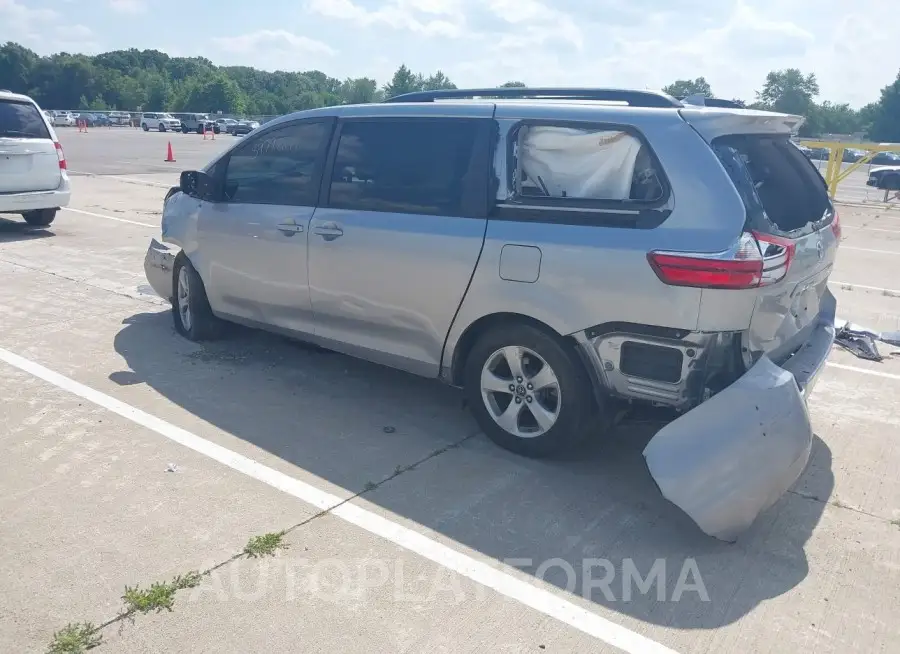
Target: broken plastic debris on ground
column 861, row 341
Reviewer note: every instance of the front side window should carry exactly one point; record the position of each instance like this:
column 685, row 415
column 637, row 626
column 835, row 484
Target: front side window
column 556, row 162
column 420, row 166
column 21, row 120
column 279, row 167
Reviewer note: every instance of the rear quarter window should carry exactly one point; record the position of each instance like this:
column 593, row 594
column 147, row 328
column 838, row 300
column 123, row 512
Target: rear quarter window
column 778, row 184
column 22, row 120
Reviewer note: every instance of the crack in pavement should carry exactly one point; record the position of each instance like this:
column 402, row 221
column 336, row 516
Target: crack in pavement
column 369, row 487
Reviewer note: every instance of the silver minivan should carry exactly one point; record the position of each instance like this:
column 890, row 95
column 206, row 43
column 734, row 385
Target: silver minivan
column 34, row 181
column 551, row 251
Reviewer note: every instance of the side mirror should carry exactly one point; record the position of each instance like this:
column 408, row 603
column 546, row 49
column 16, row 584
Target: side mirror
column 196, row 183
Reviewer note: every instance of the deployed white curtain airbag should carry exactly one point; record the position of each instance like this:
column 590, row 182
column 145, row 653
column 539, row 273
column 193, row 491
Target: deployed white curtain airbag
column 576, row 163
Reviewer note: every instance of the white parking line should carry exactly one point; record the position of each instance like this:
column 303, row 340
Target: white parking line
column 119, row 220
column 850, row 247
column 130, row 180
column 884, row 291
column 525, row 593
column 865, row 371
column 871, row 229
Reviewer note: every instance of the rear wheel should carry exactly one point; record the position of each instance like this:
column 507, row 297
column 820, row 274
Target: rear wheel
column 145, row 127
column 528, row 392
column 39, row 218
column 193, row 317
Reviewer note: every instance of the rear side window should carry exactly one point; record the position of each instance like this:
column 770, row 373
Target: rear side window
column 22, row 120
column 557, row 162
column 778, row 184
column 423, row 166
column 281, row 166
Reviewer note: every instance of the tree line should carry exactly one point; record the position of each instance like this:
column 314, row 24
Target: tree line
column 793, row 92
column 150, row 80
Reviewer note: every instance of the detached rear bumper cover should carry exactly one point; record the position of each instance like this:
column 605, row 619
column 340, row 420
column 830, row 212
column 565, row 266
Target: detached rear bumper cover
column 158, row 266
column 731, row 458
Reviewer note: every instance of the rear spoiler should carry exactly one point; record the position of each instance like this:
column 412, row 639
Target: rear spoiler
column 713, row 122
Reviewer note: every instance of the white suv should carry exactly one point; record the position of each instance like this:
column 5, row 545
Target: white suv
column 159, row 121
column 33, row 177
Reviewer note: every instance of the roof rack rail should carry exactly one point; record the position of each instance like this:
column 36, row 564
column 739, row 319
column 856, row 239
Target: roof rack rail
column 633, row 98
column 703, row 101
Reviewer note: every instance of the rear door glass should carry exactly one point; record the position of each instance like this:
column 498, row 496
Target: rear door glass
column 778, row 184
column 21, row 120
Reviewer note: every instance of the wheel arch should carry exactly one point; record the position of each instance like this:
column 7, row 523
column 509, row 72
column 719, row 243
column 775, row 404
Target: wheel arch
column 487, row 322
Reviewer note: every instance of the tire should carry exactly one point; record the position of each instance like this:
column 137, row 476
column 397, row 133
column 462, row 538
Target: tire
column 161, row 128
column 217, row 130
column 39, row 218
column 145, row 127
column 197, row 323
column 200, row 129
column 184, row 129
column 569, row 401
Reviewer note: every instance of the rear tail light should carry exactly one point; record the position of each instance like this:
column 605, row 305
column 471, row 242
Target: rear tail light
column 755, row 260
column 60, row 155
column 836, row 226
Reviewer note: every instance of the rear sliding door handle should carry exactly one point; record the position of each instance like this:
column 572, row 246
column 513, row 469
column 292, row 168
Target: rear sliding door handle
column 289, row 229
column 328, row 231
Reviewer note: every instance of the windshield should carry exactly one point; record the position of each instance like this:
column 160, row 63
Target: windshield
column 21, row 120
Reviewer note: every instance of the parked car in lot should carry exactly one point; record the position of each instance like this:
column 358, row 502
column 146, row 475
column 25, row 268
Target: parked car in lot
column 885, row 177
column 242, row 126
column 223, row 124
column 63, row 119
column 120, row 118
column 91, row 119
column 33, row 178
column 191, row 122
column 533, row 253
column 886, row 159
column 162, row 122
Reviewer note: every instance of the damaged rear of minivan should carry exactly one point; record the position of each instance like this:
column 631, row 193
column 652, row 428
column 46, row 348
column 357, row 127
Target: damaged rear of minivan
column 748, row 440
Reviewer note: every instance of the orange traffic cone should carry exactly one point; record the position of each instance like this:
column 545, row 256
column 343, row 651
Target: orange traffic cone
column 169, row 156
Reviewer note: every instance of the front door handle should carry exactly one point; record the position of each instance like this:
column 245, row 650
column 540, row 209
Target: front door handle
column 289, row 229
column 328, row 231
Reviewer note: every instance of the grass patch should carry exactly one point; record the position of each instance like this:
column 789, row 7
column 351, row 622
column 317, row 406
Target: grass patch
column 75, row 639
column 265, row 545
column 896, row 522
column 159, row 596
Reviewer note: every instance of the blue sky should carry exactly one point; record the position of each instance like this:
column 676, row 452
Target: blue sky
column 853, row 47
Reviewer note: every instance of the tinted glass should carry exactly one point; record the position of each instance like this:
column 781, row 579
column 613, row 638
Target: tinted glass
column 279, row 167
column 21, row 120
column 410, row 166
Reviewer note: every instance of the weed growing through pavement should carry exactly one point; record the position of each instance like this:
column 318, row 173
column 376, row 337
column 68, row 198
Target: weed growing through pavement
column 265, row 545
column 75, row 638
column 159, row 596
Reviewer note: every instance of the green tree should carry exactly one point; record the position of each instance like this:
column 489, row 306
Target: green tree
column 359, row 91
column 684, row 87
column 885, row 126
column 17, row 65
column 789, row 91
column 437, row 82
column 403, row 81
column 83, row 103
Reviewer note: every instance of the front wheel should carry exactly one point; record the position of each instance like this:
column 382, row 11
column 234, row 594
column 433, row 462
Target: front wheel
column 39, row 218
column 528, row 391
column 162, row 128
column 184, row 129
column 193, row 316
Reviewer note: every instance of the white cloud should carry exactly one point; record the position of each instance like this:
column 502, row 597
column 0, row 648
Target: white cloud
column 281, row 41
column 128, row 6
column 398, row 14
column 43, row 28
